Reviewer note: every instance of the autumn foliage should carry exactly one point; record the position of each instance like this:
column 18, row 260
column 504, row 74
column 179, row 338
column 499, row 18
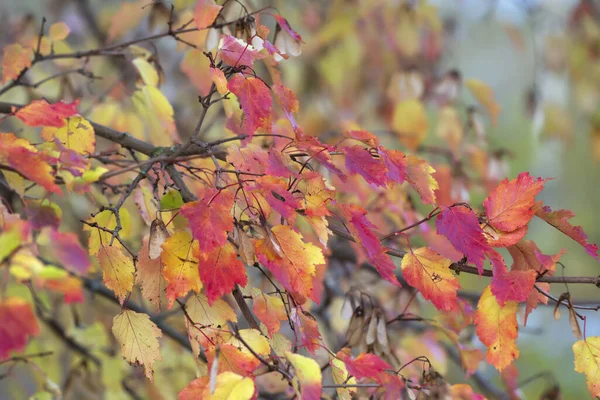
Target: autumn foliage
column 206, row 225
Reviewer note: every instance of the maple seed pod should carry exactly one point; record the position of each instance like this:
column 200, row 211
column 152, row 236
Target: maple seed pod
column 158, row 235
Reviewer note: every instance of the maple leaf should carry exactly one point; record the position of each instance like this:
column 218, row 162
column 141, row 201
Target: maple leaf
column 359, row 160
column 106, row 219
column 255, row 99
column 497, row 238
column 235, row 356
column 128, row 16
column 496, row 327
column 288, row 102
column 210, row 217
column 340, row 376
column 292, row 261
column 194, row 61
column 310, row 336
column 76, row 134
column 209, row 321
column 462, row 391
column 510, row 205
column 430, row 273
column 560, row 220
column 270, row 310
column 220, row 270
column 180, row 266
column 587, row 361
column 236, row 52
column 396, row 164
column 42, row 113
column 14, row 60
column 365, row 365
column 25, row 159
column 18, row 324
column 149, row 275
column 205, row 13
column 138, row 337
column 228, row 385
column 461, row 226
column 117, row 271
column 275, row 191
column 510, row 286
column 362, row 231
column 308, row 373
column 419, row 175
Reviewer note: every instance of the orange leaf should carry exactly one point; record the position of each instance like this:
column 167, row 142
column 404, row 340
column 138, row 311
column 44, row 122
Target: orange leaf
column 18, row 324
column 292, row 261
column 42, row 113
column 205, row 13
column 180, row 265
column 23, row 157
column 510, row 205
column 496, row 327
column 270, row 310
column 484, row 94
column 14, row 60
column 149, row 275
column 430, row 273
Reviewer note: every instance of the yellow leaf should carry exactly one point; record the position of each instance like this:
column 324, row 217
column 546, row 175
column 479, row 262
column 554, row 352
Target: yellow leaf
column 227, row 386
column 410, row 123
column 77, row 135
column 58, row 31
column 339, row 374
column 497, row 328
column 587, row 361
column 308, row 373
column 106, row 219
column 147, row 71
column 138, row 337
column 180, row 267
column 270, row 310
column 484, row 94
column 254, row 339
column 450, row 128
column 117, row 271
column 210, row 322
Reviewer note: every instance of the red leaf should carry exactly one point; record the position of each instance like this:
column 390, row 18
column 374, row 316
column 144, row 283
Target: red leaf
column 275, row 191
column 210, row 218
column 360, row 161
column 18, row 324
column 284, row 24
column 365, row 365
column 205, row 13
column 510, row 205
column 560, row 220
column 461, row 227
column 396, row 163
column 220, row 270
column 361, row 229
column 509, row 286
column 42, row 113
column 255, row 99
column 236, row 52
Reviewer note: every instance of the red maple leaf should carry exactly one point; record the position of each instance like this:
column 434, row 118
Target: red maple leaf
column 365, row 365
column 235, row 52
column 210, row 218
column 220, row 270
column 255, row 99
column 461, row 227
column 359, row 160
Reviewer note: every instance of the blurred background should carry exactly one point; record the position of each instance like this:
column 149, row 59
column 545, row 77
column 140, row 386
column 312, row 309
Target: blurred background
column 540, row 58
